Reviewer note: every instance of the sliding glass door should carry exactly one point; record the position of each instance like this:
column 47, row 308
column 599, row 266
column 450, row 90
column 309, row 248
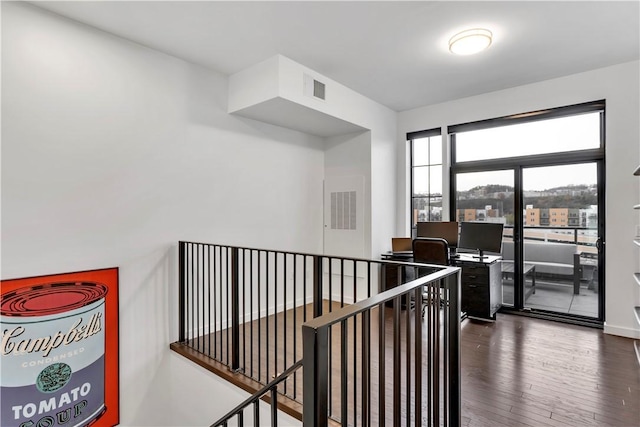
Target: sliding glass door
column 561, row 238
column 541, row 175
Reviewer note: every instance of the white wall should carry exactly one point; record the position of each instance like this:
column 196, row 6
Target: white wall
column 620, row 86
column 375, row 158
column 189, row 394
column 349, row 156
column 360, row 134
column 111, row 153
column 383, row 188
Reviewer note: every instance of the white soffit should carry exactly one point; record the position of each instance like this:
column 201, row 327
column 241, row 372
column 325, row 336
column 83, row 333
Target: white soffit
column 282, row 92
column 282, row 112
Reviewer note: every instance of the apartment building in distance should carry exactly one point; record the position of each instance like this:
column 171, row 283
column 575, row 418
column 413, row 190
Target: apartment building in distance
column 487, row 214
column 553, row 217
column 534, row 217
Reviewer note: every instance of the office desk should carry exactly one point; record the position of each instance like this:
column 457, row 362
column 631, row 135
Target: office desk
column 481, row 280
column 405, row 256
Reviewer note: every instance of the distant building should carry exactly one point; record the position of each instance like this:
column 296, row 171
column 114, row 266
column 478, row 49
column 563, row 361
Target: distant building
column 564, row 217
column 574, row 217
column 552, row 217
column 424, row 214
column 544, row 217
column 466, row 215
column 487, row 214
column 535, row 217
column 589, row 217
column 532, row 216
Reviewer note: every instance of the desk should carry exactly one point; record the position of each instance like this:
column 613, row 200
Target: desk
column 406, row 256
column 481, row 280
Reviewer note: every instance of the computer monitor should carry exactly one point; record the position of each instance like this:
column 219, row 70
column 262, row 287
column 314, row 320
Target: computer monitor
column 481, row 237
column 443, row 230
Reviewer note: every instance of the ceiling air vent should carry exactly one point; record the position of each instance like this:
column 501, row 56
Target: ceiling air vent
column 314, row 88
column 318, row 89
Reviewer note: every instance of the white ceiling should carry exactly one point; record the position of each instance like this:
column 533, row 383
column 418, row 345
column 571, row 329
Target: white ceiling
column 393, row 52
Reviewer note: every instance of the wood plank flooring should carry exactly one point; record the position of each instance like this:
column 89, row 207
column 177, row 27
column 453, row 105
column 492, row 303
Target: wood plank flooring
column 520, row 371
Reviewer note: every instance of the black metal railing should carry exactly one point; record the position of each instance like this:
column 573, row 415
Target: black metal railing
column 391, row 368
column 244, row 308
column 237, row 414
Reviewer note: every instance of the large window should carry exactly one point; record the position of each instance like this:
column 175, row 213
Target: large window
column 563, row 134
column 541, row 175
column 426, row 176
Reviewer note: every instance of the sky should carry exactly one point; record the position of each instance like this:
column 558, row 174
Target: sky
column 548, row 136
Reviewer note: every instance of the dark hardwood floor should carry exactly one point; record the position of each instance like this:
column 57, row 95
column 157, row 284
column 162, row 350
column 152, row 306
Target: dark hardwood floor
column 520, row 371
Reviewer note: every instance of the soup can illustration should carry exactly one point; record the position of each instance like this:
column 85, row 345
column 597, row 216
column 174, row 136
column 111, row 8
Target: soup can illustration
column 52, row 354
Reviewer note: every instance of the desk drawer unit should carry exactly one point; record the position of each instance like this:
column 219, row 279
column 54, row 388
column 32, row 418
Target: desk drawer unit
column 475, row 274
column 481, row 293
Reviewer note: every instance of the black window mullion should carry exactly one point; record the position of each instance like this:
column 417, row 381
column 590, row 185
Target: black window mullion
column 532, row 116
column 411, row 137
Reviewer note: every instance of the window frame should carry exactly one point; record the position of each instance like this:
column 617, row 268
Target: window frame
column 549, row 159
column 519, row 163
column 411, row 137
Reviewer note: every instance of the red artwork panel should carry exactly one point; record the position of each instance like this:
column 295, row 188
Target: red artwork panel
column 59, row 350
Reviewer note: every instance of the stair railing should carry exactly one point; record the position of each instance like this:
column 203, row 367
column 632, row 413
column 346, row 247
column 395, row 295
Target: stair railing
column 391, row 368
column 254, row 401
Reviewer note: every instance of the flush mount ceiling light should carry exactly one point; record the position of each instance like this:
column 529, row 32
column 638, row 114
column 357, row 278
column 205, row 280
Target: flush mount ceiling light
column 470, row 41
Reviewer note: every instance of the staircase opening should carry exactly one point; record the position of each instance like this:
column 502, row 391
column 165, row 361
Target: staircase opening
column 362, row 355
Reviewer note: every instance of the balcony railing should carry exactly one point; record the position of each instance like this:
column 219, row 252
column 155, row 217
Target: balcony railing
column 244, row 309
column 585, row 238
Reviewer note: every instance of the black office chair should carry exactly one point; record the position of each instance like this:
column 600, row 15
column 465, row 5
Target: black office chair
column 429, row 251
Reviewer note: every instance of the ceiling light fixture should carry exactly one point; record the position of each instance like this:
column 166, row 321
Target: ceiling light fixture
column 471, row 41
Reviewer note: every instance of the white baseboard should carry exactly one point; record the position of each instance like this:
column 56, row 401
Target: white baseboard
column 247, row 317
column 279, row 308
column 621, row 331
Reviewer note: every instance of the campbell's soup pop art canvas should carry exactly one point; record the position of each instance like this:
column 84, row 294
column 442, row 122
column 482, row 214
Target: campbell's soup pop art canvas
column 59, row 350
